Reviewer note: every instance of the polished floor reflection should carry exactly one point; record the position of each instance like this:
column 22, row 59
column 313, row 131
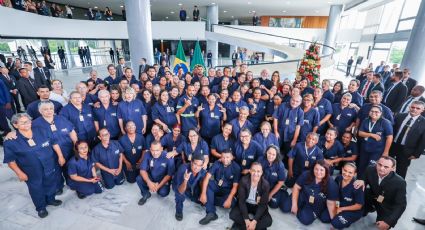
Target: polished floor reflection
column 117, row 209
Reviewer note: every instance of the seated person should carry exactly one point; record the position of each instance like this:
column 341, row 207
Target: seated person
column 385, row 192
column 331, row 147
column 251, row 211
column 156, row 171
column 82, row 172
column 220, row 186
column 246, row 151
column 266, row 137
column 314, row 195
column 302, row 157
column 351, row 199
column 187, row 183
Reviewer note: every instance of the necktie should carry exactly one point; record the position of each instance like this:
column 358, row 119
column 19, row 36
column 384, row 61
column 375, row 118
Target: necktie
column 406, row 105
column 32, row 83
column 404, row 131
column 365, row 88
column 42, row 73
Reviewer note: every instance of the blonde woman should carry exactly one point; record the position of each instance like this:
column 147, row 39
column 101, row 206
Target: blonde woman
column 58, row 93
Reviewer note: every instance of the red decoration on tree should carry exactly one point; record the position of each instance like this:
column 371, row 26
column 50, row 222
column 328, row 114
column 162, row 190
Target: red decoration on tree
column 310, row 66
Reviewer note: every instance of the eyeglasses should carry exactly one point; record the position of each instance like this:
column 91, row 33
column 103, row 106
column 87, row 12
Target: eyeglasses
column 375, row 111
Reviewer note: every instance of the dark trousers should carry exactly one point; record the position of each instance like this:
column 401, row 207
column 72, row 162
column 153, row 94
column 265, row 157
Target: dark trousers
column 403, row 161
column 263, row 223
column 209, row 62
column 348, row 70
column 234, row 62
column 16, row 106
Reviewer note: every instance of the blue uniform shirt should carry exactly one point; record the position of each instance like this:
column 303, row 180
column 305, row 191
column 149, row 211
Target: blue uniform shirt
column 188, row 118
column 311, row 120
column 382, row 127
column 81, row 167
column 110, row 156
column 185, row 149
column 219, row 143
column 225, row 177
column 90, row 99
column 132, row 111
column 165, row 113
column 35, row 161
column 357, row 99
column 194, row 181
column 307, row 90
column 329, row 95
column 365, row 109
column 133, row 150
column 260, row 112
column 348, row 195
column 342, row 118
column 107, row 118
column 288, row 118
column 32, row 108
column 157, row 168
column 111, row 81
column 301, row 157
column 60, row 130
column 168, row 142
column 245, row 157
column 274, row 172
column 232, row 109
column 325, row 107
column 236, row 128
column 335, row 151
column 82, row 120
column 350, row 150
column 313, row 189
column 210, row 121
column 264, row 142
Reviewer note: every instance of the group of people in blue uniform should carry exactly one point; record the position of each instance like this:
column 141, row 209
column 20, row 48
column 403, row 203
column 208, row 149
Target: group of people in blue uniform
column 216, row 144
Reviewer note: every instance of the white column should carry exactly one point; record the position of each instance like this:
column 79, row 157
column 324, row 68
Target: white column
column 212, row 17
column 139, row 27
column 332, row 27
column 233, row 47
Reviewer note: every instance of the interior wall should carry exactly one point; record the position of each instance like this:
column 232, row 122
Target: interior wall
column 308, row 21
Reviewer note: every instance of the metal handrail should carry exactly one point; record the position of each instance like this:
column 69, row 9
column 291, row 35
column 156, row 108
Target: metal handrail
column 277, row 62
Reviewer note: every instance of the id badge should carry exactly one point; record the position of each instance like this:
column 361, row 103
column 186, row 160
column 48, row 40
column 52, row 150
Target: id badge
column 244, row 162
column 220, row 182
column 189, row 158
column 212, row 115
column 151, row 163
column 168, row 109
column 31, row 142
column 306, row 164
column 311, row 200
column 380, row 199
column 53, row 127
column 133, row 150
column 104, row 123
column 258, row 199
column 81, row 118
column 237, row 109
column 338, row 117
column 337, row 204
column 287, row 122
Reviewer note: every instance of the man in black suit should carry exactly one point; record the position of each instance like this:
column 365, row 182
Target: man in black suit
column 395, row 95
column 209, row 59
column 385, row 192
column 10, row 83
column 409, row 82
column 143, row 67
column 386, row 74
column 349, row 65
column 196, row 14
column 415, row 95
column 42, row 75
column 27, row 87
column 380, row 67
column 234, row 58
column 409, row 141
column 15, row 70
column 366, row 84
column 376, row 85
column 120, row 67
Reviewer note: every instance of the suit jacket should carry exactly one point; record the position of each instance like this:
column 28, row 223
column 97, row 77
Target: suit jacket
column 396, row 97
column 393, row 188
column 10, row 83
column 27, row 91
column 410, row 83
column 262, row 195
column 379, row 68
column 143, row 69
column 415, row 138
column 385, row 75
column 120, row 71
column 41, row 79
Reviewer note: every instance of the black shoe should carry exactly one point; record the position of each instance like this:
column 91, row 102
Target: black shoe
column 179, row 216
column 55, row 203
column 208, row 218
column 419, row 221
column 81, row 196
column 42, row 213
column 143, row 200
column 59, row 192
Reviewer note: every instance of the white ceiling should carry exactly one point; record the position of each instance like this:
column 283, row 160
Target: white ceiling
column 228, row 9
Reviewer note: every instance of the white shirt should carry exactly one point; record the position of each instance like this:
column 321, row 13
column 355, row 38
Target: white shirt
column 252, row 195
column 63, row 99
column 405, row 107
column 380, row 179
column 403, row 141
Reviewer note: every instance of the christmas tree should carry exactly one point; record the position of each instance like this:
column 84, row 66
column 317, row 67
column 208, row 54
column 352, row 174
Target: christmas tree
column 310, row 66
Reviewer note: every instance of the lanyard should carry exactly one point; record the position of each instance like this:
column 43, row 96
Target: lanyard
column 371, row 125
column 306, row 151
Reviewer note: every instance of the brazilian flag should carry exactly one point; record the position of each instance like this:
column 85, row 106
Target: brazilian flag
column 180, row 60
column 198, row 59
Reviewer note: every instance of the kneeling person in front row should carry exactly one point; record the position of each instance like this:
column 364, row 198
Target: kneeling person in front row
column 156, row 171
column 82, row 172
column 187, row 183
column 220, row 186
column 251, row 211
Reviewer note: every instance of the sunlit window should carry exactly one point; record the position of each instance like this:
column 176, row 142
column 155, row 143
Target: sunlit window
column 411, row 8
column 390, row 17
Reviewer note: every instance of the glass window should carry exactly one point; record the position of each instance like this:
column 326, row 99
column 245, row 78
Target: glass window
column 382, row 45
column 406, row 25
column 397, row 52
column 370, row 30
column 410, row 8
column 378, row 56
column 390, row 17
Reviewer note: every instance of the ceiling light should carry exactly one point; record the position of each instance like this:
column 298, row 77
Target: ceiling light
column 122, row 6
column 180, row 4
column 233, row 16
column 283, row 11
column 253, row 11
column 212, row 3
column 95, row 7
column 172, row 12
column 166, row 17
column 249, row 3
column 224, row 11
column 316, row 11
